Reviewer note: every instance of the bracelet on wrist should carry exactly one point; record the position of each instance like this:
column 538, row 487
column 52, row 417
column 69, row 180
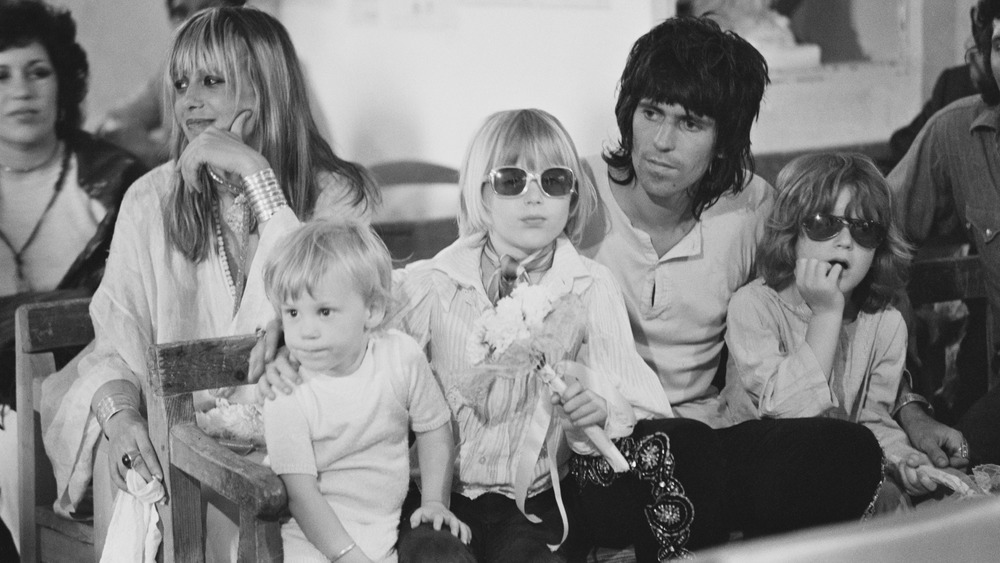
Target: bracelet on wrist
column 908, row 398
column 112, row 405
column 343, row 552
column 264, row 193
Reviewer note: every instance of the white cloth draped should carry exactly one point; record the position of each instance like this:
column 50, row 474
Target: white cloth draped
column 133, row 535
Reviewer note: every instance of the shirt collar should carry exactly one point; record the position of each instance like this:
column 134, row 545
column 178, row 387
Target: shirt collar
column 460, row 262
column 987, row 117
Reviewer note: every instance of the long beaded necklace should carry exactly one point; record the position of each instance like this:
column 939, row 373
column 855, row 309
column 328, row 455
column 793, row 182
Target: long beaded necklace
column 239, row 222
column 239, row 216
column 23, row 285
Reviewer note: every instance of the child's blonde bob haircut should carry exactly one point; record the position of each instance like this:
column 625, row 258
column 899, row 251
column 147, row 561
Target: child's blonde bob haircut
column 810, row 184
column 320, row 246
column 534, row 139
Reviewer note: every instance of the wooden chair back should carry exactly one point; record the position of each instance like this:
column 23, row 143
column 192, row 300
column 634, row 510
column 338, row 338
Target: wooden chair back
column 417, row 217
column 945, row 279
column 192, row 460
column 46, row 334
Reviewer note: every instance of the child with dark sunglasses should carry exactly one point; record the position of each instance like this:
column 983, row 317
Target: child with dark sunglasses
column 816, row 334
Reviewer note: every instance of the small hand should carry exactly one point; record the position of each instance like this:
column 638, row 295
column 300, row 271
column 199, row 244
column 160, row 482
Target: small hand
column 435, row 513
column 128, row 434
column 282, row 373
column 222, row 149
column 582, row 406
column 819, row 284
column 941, row 443
column 915, row 483
column 268, row 342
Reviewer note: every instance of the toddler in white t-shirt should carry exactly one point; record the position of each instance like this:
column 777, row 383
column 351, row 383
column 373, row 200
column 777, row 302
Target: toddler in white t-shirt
column 339, row 441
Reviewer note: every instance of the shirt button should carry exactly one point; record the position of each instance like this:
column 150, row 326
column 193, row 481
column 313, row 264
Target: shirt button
column 989, row 232
column 482, row 460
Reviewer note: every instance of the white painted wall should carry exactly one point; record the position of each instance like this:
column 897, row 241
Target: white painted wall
column 125, row 41
column 397, row 82
column 414, row 78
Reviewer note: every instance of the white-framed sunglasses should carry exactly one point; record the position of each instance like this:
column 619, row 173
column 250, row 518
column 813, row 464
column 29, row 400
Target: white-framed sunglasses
column 512, row 181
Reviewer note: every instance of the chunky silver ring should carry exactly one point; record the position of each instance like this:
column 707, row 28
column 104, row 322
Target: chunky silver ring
column 963, row 450
column 128, row 459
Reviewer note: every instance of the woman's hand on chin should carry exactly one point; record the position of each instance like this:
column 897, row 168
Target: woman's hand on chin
column 223, row 150
column 128, row 435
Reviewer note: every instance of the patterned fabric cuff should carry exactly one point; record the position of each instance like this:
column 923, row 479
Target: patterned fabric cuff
column 264, row 193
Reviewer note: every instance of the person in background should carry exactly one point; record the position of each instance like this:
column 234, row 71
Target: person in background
column 945, row 186
column 248, row 164
column 952, row 84
column 60, row 189
column 137, row 123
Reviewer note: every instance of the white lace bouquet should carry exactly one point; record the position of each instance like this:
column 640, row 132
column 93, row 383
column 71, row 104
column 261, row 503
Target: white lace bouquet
column 523, row 338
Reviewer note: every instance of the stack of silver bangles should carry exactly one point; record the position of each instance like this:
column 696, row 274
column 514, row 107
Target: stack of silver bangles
column 264, row 193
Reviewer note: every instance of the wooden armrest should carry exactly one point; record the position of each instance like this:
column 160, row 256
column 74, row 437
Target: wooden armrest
column 236, row 478
column 49, row 321
column 200, row 364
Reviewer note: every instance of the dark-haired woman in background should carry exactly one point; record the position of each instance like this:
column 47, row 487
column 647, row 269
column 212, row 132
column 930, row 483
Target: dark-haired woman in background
column 59, row 187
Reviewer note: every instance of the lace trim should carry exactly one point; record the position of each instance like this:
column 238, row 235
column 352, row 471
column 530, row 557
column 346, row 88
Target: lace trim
column 671, row 513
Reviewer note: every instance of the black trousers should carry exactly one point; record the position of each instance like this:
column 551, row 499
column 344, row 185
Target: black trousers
column 981, row 427
column 760, row 477
column 500, row 533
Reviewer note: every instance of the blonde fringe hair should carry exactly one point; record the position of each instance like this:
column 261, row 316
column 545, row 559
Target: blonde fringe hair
column 321, row 246
column 537, row 138
column 252, row 52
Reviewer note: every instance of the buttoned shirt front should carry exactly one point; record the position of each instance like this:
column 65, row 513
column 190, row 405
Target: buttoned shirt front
column 948, row 184
column 677, row 302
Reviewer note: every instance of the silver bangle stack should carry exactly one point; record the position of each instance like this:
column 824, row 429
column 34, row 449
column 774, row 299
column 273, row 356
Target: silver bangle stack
column 264, row 193
column 114, row 404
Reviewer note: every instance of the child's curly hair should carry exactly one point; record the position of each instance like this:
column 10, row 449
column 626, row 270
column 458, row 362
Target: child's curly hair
column 809, row 185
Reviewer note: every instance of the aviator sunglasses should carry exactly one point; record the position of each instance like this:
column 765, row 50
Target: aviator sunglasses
column 512, row 181
column 823, row 226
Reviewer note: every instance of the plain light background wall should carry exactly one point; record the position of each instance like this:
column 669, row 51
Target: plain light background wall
column 414, row 78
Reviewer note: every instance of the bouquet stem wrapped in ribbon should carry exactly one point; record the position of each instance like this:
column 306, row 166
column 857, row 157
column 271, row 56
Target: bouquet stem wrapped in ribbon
column 595, row 434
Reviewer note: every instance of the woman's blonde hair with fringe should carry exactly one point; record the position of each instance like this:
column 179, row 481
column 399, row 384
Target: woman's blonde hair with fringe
column 252, row 51
column 534, row 137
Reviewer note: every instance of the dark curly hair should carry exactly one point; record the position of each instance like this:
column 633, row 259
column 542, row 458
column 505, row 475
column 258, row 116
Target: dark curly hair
column 982, row 16
column 26, row 22
column 693, row 63
column 810, row 184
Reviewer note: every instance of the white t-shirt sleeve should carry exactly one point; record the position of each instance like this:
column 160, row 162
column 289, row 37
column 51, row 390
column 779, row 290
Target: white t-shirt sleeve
column 288, row 436
column 425, row 400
